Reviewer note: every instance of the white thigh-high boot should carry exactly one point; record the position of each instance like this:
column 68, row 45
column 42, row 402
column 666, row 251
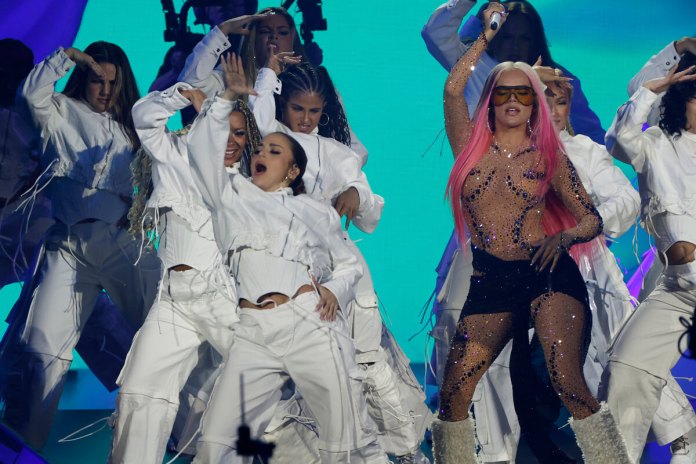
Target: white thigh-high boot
column 599, row 438
column 454, row 442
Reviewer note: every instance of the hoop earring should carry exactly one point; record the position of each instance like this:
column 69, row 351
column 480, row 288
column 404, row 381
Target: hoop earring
column 328, row 119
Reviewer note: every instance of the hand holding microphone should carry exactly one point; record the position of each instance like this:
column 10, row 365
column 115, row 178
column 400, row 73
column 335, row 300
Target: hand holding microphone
column 495, row 20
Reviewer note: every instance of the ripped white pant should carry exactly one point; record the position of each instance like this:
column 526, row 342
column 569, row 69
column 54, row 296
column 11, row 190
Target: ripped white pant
column 290, row 342
column 189, row 312
column 643, row 354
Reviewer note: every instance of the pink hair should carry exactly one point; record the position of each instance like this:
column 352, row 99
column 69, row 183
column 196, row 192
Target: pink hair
column 544, row 135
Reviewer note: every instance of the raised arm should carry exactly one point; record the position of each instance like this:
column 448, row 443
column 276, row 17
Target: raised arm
column 457, row 122
column 37, row 92
column 625, row 136
column 440, row 32
column 150, row 116
column 659, row 65
column 617, row 201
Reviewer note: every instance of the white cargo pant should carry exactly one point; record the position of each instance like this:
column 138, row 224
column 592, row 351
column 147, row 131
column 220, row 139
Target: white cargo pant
column 643, row 354
column 79, row 263
column 191, row 310
column 387, row 402
column 270, row 346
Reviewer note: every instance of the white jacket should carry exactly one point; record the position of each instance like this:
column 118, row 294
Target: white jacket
column 191, row 241
column 332, row 167
column 89, row 147
column 617, row 201
column 295, row 228
column 201, row 72
column 666, row 165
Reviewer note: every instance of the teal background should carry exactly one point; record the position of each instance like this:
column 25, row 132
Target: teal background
column 392, row 89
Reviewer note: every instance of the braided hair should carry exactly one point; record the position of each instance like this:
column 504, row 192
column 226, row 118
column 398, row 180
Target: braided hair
column 307, row 78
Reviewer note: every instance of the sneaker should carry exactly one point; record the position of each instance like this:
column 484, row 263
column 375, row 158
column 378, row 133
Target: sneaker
column 682, row 453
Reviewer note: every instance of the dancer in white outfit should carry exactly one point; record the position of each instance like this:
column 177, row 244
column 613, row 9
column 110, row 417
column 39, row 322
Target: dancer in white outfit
column 88, row 134
column 647, row 347
column 301, row 101
column 197, row 300
column 295, row 275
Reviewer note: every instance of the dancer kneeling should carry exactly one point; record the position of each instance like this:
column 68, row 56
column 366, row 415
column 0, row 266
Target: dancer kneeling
column 294, row 274
column 520, row 198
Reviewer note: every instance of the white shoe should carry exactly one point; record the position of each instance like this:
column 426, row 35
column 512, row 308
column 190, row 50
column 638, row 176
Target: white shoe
column 682, row 451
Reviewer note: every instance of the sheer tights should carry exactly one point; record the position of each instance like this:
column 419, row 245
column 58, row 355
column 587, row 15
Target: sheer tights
column 560, row 324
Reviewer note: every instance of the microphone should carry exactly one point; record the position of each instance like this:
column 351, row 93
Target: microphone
column 495, row 20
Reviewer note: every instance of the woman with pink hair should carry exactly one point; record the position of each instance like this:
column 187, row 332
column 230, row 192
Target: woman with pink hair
column 516, row 193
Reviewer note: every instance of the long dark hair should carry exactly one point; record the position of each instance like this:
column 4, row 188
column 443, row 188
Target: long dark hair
column 300, row 160
column 673, row 106
column 540, row 44
column 306, row 78
column 125, row 92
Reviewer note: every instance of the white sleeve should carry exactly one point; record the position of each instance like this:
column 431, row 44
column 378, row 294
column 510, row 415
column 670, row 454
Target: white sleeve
column 346, row 268
column 263, row 104
column 200, row 70
column 440, row 32
column 657, row 66
column 626, row 138
column 618, row 202
column 37, row 91
column 150, row 116
column 206, row 141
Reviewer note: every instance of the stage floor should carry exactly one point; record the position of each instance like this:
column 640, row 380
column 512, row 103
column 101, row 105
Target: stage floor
column 85, row 401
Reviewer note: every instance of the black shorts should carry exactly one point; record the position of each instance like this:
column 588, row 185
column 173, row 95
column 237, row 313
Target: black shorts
column 511, row 286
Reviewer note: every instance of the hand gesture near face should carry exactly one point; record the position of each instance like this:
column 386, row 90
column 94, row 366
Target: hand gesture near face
column 240, row 25
column 84, row 61
column 278, row 61
column 661, row 84
column 548, row 74
column 236, row 83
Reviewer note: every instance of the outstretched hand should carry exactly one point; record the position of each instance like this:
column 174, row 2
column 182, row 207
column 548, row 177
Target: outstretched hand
column 85, row 61
column 661, row 84
column 236, row 83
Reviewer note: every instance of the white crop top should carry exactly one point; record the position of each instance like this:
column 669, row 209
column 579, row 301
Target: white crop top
column 259, row 273
column 179, row 244
column 668, row 228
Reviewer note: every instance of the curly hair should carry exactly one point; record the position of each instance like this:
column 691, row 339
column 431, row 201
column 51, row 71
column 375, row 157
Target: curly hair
column 673, row 107
column 307, row 78
column 125, row 92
